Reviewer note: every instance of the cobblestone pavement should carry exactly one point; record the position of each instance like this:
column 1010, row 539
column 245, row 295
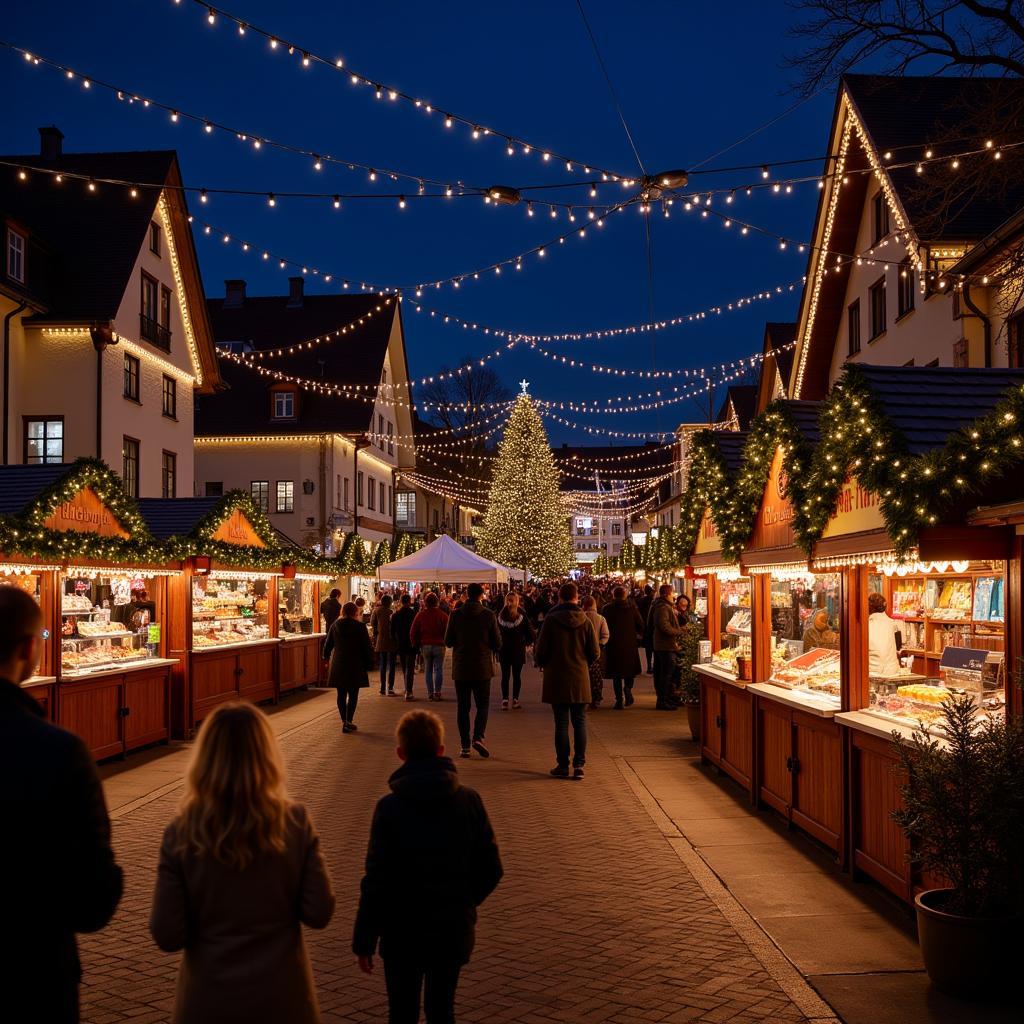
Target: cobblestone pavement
column 598, row 918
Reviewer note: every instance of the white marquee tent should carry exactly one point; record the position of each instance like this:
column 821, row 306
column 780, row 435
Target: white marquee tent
column 446, row 561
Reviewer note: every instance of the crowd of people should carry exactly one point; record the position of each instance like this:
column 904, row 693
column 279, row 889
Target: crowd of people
column 240, row 868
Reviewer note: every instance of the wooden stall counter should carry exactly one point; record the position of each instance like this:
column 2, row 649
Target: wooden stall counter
column 727, row 723
column 42, row 688
column 236, row 671
column 299, row 660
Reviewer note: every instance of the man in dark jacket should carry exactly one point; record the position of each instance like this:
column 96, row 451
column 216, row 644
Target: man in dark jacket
column 621, row 655
column 432, row 860
column 330, row 610
column 643, row 606
column 401, row 624
column 663, row 626
column 474, row 638
column 565, row 649
column 58, row 869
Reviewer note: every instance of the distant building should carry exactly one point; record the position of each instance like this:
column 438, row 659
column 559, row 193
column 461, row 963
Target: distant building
column 316, row 422
column 106, row 337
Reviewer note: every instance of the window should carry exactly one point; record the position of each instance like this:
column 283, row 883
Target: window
column 215, row 488
column 905, row 289
column 391, row 438
column 165, row 308
column 879, row 218
column 15, row 256
column 44, row 440
column 383, row 507
column 616, row 529
column 285, row 496
column 150, row 327
column 170, row 397
column 391, row 500
column 130, row 466
column 405, row 508
column 1014, row 341
column 131, row 378
column 284, row 405
column 260, row 491
column 168, row 475
column 853, row 326
column 154, row 238
column 345, row 505
column 359, row 488
column 877, row 297
column 372, row 495
column 380, row 431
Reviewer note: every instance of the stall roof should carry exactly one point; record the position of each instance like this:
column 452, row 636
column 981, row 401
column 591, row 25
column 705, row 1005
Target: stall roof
column 730, row 443
column 21, row 485
column 175, row 517
column 928, row 404
column 805, row 416
column 444, row 561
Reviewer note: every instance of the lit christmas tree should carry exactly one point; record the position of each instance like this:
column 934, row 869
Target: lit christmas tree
column 526, row 525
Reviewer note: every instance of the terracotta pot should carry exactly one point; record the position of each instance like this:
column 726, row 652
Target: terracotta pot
column 693, row 720
column 970, row 957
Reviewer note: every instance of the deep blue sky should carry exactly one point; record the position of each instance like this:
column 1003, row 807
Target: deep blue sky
column 693, row 78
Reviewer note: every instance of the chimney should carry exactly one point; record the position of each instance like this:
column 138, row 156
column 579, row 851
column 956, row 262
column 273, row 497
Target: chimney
column 295, row 286
column 50, row 143
column 234, row 293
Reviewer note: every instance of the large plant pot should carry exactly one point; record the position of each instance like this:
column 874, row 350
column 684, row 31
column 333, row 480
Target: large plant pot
column 970, row 957
column 693, row 720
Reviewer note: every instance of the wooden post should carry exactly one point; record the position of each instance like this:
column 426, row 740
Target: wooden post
column 176, row 633
column 853, row 643
column 761, row 625
column 1013, row 619
column 714, row 612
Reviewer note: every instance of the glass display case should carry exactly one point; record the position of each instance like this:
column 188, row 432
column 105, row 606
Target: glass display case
column 295, row 607
column 229, row 609
column 106, row 621
column 814, row 674
column 805, row 611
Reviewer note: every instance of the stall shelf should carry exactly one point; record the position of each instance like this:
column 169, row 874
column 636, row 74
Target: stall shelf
column 105, row 664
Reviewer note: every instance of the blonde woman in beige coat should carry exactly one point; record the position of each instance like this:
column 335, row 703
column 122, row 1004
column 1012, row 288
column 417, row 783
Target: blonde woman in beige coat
column 240, row 872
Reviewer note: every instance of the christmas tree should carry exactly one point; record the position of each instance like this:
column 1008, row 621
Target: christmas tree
column 526, row 525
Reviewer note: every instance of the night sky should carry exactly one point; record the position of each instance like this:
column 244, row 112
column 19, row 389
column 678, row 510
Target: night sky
column 692, row 79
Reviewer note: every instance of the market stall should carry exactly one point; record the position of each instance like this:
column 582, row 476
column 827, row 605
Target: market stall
column 101, row 581
column 444, row 561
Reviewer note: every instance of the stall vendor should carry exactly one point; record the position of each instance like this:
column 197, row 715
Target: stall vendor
column 819, row 633
column 883, row 659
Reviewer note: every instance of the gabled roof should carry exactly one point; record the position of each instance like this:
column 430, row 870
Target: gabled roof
column 730, row 444
column 905, row 115
column 175, row 517
column 744, row 403
column 82, row 245
column 928, row 404
column 355, row 359
column 779, row 351
column 805, row 418
column 21, row 485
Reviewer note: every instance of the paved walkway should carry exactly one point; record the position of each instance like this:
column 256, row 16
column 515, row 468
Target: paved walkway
column 605, row 912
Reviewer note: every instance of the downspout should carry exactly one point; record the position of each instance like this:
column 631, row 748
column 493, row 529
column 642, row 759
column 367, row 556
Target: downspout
column 323, row 494
column 102, row 335
column 986, row 323
column 7, row 375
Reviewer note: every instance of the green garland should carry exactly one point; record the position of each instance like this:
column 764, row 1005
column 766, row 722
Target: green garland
column 708, row 488
column 240, row 501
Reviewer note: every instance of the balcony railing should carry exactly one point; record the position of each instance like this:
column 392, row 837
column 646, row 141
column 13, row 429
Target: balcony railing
column 154, row 332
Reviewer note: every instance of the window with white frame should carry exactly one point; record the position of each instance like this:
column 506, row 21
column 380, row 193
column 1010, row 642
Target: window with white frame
column 284, row 405
column 285, row 496
column 15, row 255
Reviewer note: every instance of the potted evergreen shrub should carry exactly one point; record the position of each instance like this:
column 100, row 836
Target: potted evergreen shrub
column 963, row 813
column 689, row 686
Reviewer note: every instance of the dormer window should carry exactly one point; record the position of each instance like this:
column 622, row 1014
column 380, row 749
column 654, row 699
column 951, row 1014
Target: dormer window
column 15, row 256
column 284, row 405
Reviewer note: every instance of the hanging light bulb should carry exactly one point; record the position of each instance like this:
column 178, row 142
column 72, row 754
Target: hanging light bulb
column 271, row 199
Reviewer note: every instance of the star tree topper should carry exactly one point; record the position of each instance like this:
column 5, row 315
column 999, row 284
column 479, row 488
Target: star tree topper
column 524, row 384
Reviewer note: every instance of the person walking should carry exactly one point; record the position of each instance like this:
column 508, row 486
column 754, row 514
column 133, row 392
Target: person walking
column 600, row 624
column 474, row 638
column 622, row 653
column 240, row 872
column 383, row 644
column 664, row 630
column 565, row 649
column 60, row 875
column 423, row 921
column 330, row 609
column 405, row 650
column 643, row 606
column 516, row 635
column 350, row 653
column 427, row 633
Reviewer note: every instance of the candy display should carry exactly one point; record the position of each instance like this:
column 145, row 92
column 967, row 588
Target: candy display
column 228, row 611
column 815, row 671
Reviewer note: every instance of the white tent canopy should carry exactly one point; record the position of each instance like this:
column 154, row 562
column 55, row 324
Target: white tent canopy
column 446, row 561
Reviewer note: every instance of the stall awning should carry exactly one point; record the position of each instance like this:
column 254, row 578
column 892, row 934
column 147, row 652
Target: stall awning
column 445, row 561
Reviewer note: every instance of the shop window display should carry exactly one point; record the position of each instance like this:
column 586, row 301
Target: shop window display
column 229, row 609
column 734, row 641
column 107, row 621
column 295, row 600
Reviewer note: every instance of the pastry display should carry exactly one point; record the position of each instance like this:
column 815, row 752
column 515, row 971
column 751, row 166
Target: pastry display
column 815, row 671
column 70, row 604
column 98, row 627
column 228, row 611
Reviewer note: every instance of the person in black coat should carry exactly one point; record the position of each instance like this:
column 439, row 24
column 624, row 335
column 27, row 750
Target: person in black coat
column 401, row 623
column 516, row 635
column 57, row 866
column 621, row 655
column 432, row 860
column 643, row 606
column 330, row 609
column 350, row 652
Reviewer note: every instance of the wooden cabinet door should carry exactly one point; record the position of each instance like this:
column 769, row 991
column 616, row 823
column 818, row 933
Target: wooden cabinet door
column 775, row 755
column 737, row 734
column 710, row 719
column 148, row 708
column 214, row 681
column 256, row 680
column 92, row 709
column 818, row 778
column 312, row 675
column 291, row 662
column 43, row 696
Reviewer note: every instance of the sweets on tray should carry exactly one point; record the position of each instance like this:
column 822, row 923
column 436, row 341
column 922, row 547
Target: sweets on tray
column 72, row 603
column 101, row 629
column 923, row 693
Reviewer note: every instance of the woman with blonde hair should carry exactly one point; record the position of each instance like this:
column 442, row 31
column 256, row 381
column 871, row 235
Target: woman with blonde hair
column 240, row 872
